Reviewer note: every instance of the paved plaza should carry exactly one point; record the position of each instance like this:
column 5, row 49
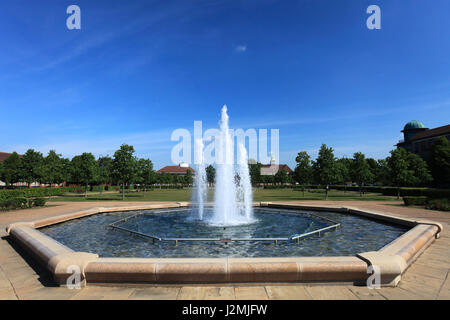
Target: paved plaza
column 22, row 278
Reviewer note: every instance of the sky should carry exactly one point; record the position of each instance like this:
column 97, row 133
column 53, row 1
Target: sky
column 137, row 70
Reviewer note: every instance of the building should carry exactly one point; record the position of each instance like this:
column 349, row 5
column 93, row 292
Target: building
column 181, row 169
column 418, row 139
column 4, row 156
column 272, row 168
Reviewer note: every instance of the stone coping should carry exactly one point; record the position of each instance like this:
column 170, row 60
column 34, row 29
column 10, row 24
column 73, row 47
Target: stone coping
column 391, row 261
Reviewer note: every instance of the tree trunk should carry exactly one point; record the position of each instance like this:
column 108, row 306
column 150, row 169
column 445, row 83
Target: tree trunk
column 85, row 190
column 326, row 193
column 303, row 189
column 123, row 191
column 398, row 193
column 360, row 191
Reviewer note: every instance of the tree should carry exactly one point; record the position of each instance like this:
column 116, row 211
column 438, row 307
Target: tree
column 324, row 167
column 281, row 176
column 421, row 174
column 188, row 178
column 383, row 172
column 360, row 170
column 145, row 172
column 374, row 169
column 53, row 168
column 303, row 170
column 399, row 171
column 439, row 162
column 104, row 165
column 255, row 173
column 11, row 169
column 210, row 174
column 123, row 166
column 83, row 169
column 343, row 171
column 31, row 166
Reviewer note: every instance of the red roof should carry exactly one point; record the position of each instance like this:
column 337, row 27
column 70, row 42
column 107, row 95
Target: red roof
column 175, row 169
column 284, row 167
column 5, row 155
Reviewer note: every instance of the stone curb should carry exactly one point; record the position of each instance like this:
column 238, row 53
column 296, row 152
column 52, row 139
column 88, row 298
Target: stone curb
column 392, row 260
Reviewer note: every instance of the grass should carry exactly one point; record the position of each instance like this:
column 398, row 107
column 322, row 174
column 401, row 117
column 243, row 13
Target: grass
column 259, row 195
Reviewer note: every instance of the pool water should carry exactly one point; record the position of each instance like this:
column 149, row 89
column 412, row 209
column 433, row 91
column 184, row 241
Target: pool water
column 93, row 234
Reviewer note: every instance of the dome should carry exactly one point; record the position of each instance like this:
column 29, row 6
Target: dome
column 414, row 124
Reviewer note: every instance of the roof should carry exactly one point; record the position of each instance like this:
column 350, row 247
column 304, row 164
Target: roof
column 175, row 169
column 4, row 155
column 439, row 131
column 273, row 168
column 414, row 124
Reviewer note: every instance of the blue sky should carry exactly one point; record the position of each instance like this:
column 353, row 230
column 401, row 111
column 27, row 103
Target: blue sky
column 139, row 69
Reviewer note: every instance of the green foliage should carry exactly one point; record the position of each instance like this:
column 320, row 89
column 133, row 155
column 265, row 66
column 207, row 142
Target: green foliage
column 145, row 174
column 53, row 168
column 324, row 167
column 439, row 161
column 83, row 169
column 414, row 201
column 303, row 172
column 104, row 165
column 439, row 204
column 421, row 174
column 343, row 169
column 282, row 176
column 188, row 178
column 11, row 169
column 211, row 174
column 399, row 171
column 31, row 166
column 255, row 173
column 124, row 166
column 360, row 170
column 325, row 170
column 39, row 202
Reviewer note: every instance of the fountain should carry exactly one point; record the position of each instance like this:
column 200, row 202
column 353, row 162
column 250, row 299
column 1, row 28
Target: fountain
column 233, row 191
column 200, row 194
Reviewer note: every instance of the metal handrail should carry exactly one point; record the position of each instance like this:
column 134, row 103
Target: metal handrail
column 296, row 237
column 303, row 235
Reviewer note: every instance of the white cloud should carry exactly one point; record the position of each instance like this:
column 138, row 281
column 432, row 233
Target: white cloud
column 241, row 48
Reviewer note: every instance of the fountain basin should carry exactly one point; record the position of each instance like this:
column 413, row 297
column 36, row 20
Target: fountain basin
column 393, row 258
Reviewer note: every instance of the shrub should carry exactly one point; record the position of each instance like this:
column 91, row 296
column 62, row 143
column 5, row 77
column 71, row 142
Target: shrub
column 415, row 201
column 39, row 202
column 439, row 204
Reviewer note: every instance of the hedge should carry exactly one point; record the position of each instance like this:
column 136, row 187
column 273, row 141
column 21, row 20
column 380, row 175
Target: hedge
column 415, row 201
column 6, row 194
column 21, row 203
column 438, row 204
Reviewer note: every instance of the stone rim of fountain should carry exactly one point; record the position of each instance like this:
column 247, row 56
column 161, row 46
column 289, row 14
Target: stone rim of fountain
column 392, row 260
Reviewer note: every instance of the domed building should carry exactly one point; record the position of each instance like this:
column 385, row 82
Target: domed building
column 418, row 139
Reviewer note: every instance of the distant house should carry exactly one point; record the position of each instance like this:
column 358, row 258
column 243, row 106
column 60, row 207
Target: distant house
column 272, row 168
column 4, row 156
column 181, row 169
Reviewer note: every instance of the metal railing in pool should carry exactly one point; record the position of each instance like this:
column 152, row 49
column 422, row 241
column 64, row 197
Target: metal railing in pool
column 296, row 237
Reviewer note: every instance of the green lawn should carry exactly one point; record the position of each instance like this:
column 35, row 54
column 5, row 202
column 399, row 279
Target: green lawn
column 259, row 195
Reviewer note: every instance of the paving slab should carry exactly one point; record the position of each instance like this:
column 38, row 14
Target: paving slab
column 330, row 293
column 288, row 293
column 155, row 293
column 250, row 293
column 206, row 293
